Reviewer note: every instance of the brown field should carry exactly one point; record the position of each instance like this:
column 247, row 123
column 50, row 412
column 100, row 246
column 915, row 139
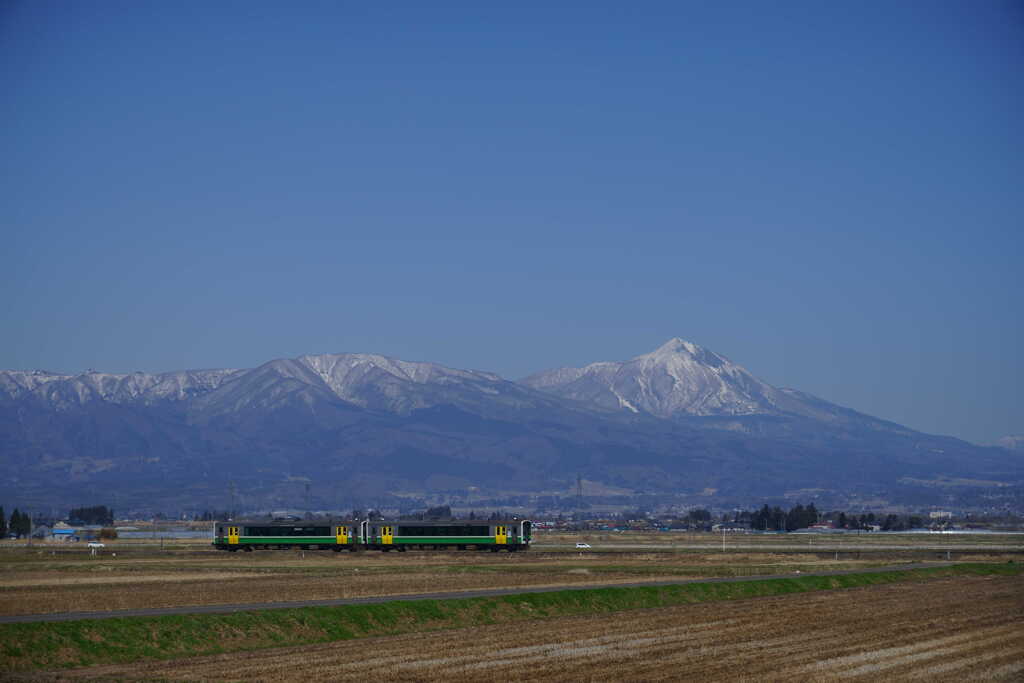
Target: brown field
column 853, row 540
column 947, row 629
column 38, row 582
column 140, row 573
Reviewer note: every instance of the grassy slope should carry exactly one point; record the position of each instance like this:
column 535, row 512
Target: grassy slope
column 91, row 642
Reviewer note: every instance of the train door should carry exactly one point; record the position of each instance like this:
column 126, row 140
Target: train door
column 525, row 531
column 341, row 535
column 232, row 535
column 501, row 535
column 364, row 532
column 387, row 536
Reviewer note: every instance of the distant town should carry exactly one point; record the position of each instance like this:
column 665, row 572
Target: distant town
column 98, row 523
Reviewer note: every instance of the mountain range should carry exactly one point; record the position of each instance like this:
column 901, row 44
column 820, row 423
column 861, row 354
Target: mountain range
column 344, row 428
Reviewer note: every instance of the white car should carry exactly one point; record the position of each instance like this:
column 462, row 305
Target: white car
column 582, row 545
column 94, row 545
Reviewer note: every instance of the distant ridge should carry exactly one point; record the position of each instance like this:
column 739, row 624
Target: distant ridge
column 681, row 420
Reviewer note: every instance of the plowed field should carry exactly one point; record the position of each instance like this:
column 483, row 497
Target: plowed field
column 38, row 584
column 948, row 629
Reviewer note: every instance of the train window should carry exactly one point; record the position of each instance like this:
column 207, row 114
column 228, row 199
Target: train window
column 443, row 530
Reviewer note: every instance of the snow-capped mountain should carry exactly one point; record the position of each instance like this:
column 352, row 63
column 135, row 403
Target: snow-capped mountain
column 368, row 381
column 397, row 386
column 678, row 378
column 346, row 381
column 137, row 387
column 681, row 418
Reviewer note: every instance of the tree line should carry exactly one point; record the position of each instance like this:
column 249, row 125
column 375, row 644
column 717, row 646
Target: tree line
column 869, row 520
column 775, row 518
column 96, row 514
column 20, row 524
column 801, row 517
column 213, row 515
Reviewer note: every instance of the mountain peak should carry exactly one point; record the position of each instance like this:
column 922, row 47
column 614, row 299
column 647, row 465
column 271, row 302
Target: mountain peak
column 676, row 345
column 677, row 379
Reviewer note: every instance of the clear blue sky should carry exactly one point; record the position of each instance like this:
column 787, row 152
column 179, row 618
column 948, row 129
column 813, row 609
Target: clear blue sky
column 829, row 193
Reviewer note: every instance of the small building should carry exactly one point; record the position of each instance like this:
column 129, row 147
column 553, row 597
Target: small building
column 62, row 533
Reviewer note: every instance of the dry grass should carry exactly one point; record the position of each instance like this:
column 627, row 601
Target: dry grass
column 41, row 583
column 965, row 628
column 270, row 588
column 132, row 575
column 63, row 580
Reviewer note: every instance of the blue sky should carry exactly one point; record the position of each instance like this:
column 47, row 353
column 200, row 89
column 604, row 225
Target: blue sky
column 827, row 193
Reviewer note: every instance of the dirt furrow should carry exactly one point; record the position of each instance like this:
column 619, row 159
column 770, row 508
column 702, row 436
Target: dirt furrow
column 872, row 657
column 965, row 656
column 968, row 628
column 968, row 659
column 1008, row 672
column 890, row 658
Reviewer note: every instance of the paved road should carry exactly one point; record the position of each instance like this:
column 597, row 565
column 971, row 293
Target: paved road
column 228, row 609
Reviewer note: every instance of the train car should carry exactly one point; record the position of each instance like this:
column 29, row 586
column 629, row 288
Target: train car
column 265, row 534
column 459, row 534
column 385, row 535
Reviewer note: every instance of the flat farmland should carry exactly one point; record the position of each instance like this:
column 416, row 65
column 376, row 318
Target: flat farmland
column 37, row 582
column 960, row 628
column 844, row 543
column 140, row 574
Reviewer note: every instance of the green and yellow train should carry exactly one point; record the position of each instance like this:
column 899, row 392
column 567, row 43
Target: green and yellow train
column 355, row 535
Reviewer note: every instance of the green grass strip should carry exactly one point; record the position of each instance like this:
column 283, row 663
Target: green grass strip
column 89, row 642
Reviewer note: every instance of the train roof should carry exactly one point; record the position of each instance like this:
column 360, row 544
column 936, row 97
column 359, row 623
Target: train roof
column 321, row 521
column 449, row 522
column 278, row 521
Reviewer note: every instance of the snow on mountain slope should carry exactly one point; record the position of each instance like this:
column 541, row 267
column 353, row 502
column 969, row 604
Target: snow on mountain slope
column 346, row 375
column 136, row 387
column 677, row 378
column 342, row 370
column 359, row 422
column 366, row 381
column 376, row 381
